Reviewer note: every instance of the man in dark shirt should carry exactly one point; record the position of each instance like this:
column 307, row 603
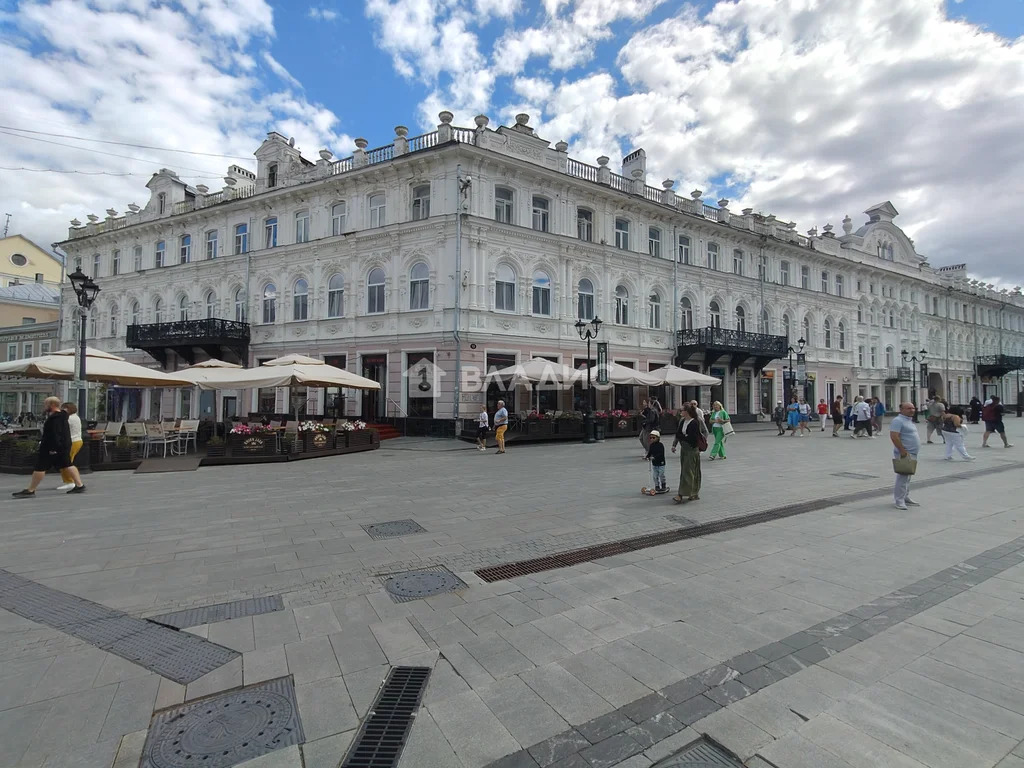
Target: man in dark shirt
column 992, row 414
column 54, row 450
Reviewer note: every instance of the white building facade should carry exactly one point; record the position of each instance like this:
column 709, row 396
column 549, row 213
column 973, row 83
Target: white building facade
column 471, row 248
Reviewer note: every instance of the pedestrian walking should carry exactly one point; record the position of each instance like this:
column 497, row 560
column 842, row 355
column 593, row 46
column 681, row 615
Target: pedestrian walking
column 779, row 417
column 54, row 450
column 822, row 413
column 906, row 443
column 805, row 416
column 702, row 420
column 656, row 455
column 75, row 427
column 793, row 417
column 837, row 415
column 974, row 414
column 862, row 417
column 721, row 428
column 936, row 410
column 849, row 418
column 877, row 414
column 500, row 426
column 953, row 433
column 688, row 438
column 650, row 418
column 993, row 417
column 483, row 426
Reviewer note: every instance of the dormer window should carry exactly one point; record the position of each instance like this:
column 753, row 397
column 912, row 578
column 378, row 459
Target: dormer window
column 161, row 203
column 272, row 175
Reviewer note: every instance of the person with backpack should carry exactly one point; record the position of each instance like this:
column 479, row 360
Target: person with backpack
column 692, row 441
column 992, row 415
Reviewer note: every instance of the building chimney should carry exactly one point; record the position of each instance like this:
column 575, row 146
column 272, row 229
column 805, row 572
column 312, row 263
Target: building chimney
column 633, row 161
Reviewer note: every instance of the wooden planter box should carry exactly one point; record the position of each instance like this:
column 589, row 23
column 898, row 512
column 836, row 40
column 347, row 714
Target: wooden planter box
column 359, row 437
column 216, row 451
column 123, row 455
column 569, row 427
column 312, row 442
column 252, row 445
column 538, row 427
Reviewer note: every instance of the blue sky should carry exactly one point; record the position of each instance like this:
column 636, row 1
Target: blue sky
column 809, row 109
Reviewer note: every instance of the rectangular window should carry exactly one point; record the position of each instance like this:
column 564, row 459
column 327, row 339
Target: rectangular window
column 44, row 348
column 713, row 256
column 137, row 258
column 270, row 233
column 96, row 265
column 654, row 242
column 737, row 262
column 27, row 349
column 12, row 351
column 302, row 227
column 503, row 200
column 375, row 298
column 540, row 214
column 824, row 282
column 860, row 357
column 541, row 300
column 28, row 321
column 241, row 238
column 871, row 288
column 805, row 277
column 874, row 357
column 339, row 218
column 158, row 259
column 378, row 210
column 622, row 234
column 505, row 296
column 839, row 286
column 860, row 286
column 421, row 202
column 784, row 272
column 115, row 262
column 684, row 250
column 211, row 244
column 935, row 305
column 585, row 224
column 185, row 251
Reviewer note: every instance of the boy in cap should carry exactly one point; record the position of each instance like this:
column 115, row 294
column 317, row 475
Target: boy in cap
column 656, row 455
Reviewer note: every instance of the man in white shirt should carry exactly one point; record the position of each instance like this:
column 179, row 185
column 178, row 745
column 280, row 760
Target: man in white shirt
column 862, row 413
column 483, row 425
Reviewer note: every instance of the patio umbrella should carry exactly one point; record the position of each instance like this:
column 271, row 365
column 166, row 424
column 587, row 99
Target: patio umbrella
column 215, row 363
column 536, row 371
column 674, row 376
column 621, row 374
column 99, row 366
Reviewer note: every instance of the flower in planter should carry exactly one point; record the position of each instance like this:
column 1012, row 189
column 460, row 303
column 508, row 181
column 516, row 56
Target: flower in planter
column 313, row 426
column 600, row 414
column 250, row 429
column 617, row 414
column 351, row 426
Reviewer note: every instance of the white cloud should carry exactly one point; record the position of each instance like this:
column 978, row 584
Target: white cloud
column 322, row 14
column 182, row 77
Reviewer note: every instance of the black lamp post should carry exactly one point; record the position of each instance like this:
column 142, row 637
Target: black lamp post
column 914, row 362
column 791, row 377
column 85, row 290
column 588, row 331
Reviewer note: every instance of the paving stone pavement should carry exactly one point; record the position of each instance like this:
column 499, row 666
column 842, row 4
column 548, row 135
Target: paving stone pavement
column 762, row 637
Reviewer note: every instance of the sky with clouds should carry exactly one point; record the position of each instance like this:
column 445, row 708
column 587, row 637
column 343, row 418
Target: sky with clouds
column 808, row 109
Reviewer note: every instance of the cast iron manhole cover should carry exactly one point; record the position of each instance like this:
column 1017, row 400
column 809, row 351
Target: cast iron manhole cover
column 393, row 528
column 225, row 730
column 415, row 585
column 700, row 754
column 854, row 475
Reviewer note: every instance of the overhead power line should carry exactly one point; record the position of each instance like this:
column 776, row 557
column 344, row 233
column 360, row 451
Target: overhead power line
column 85, row 173
column 122, row 143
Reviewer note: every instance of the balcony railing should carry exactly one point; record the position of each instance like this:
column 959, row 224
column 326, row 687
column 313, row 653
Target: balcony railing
column 898, row 374
column 731, row 340
column 208, row 331
column 998, row 365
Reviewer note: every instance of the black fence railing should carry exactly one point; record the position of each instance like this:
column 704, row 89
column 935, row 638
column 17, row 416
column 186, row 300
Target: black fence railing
column 998, row 365
column 898, row 374
column 211, row 330
column 729, row 339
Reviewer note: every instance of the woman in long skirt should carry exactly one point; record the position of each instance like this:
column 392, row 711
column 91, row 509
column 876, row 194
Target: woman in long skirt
column 687, row 434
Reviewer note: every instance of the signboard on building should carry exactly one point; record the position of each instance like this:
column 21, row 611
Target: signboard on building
column 801, row 367
column 602, row 363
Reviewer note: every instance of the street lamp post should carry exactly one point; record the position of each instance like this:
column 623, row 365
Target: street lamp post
column 86, row 290
column 791, row 378
column 914, row 362
column 588, row 331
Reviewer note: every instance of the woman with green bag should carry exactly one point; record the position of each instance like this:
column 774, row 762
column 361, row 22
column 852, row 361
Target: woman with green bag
column 721, row 428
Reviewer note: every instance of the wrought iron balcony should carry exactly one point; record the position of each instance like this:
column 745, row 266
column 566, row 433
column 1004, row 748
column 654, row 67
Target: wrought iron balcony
column 737, row 346
column 998, row 365
column 898, row 374
column 224, row 339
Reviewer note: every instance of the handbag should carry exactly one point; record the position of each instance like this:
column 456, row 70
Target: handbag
column 727, row 429
column 905, row 465
column 702, row 442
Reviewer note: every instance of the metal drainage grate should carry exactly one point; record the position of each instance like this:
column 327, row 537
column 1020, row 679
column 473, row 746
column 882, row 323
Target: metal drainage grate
column 384, row 732
column 596, row 552
column 427, row 582
column 211, row 614
column 225, row 729
column 178, row 656
column 393, row 528
column 855, row 475
column 703, row 753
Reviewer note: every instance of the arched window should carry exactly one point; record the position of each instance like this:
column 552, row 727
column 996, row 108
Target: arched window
column 419, row 286
column 158, row 310
column 302, row 227
column 185, row 249
column 622, row 234
column 336, row 296
column 621, row 305
column 713, row 256
column 240, row 312
column 785, row 326
column 541, row 293
column 765, row 323
column 541, row 213
column 714, row 314
column 339, row 218
column 375, row 291
column 505, row 289
column 211, row 304
column 741, row 319
column 686, row 314
column 892, row 319
column 841, row 330
column 807, row 330
column 828, row 333
column 585, row 300
column 585, row 224
column 272, row 175
column 890, row 357
column 378, row 210
column 420, row 202
column 115, row 319
column 504, row 201
column 135, row 313
column 654, row 311
column 270, row 232
column 300, row 300
column 183, row 307
column 269, row 304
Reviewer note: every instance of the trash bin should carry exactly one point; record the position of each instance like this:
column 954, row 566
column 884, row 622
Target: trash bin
column 598, row 431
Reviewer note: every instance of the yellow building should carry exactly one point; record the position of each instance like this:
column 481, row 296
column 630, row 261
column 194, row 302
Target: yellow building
column 22, row 261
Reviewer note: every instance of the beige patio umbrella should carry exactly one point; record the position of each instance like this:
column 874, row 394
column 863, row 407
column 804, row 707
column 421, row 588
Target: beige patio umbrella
column 99, row 366
column 621, row 374
column 536, row 371
column 674, row 376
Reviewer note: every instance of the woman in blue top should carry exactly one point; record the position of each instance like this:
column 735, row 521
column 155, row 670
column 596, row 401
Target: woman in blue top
column 793, row 416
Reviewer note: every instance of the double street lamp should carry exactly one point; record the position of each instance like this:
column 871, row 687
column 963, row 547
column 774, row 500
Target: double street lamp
column 85, row 290
column 915, row 361
column 588, row 331
column 791, row 374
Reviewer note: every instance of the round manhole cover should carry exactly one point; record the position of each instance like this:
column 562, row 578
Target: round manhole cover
column 224, row 732
column 395, row 528
column 422, row 584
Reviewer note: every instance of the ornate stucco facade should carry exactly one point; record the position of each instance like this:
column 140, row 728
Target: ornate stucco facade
column 364, row 261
